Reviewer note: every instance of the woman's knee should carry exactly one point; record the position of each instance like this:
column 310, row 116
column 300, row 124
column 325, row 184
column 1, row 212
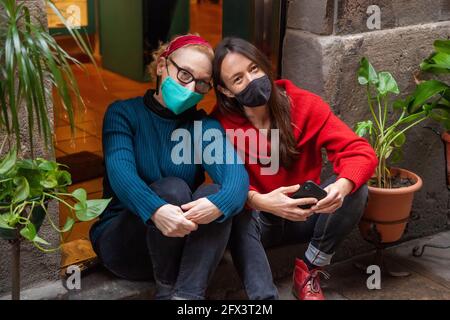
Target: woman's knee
column 205, row 190
column 174, row 190
column 246, row 224
column 356, row 203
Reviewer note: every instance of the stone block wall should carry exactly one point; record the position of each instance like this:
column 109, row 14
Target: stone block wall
column 324, row 42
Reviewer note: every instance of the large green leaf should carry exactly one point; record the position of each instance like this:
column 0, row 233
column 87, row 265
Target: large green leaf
column 425, row 91
column 29, row 231
column 386, row 83
column 64, row 178
column 442, row 46
column 80, row 195
column 91, row 209
column 46, row 165
column 4, row 222
column 367, row 73
column 50, row 181
column 437, row 63
column 22, row 190
column 68, row 225
column 8, row 161
column 364, row 128
column 40, row 240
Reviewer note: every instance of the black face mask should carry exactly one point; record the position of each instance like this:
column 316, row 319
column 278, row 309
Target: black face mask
column 257, row 92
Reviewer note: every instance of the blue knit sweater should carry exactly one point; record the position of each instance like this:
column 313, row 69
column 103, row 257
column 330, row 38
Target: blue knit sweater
column 137, row 149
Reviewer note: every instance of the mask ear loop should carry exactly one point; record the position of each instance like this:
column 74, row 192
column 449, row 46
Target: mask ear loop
column 158, row 81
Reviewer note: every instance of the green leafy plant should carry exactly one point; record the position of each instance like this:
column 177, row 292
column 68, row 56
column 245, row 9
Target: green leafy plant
column 26, row 187
column 438, row 63
column 390, row 121
column 29, row 56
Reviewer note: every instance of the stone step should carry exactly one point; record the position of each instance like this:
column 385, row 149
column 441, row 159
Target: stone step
column 429, row 278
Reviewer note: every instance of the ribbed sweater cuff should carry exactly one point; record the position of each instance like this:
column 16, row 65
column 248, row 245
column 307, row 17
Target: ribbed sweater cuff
column 147, row 208
column 226, row 207
column 357, row 175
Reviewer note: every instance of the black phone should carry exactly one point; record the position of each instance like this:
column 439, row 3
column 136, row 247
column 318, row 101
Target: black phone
column 309, row 190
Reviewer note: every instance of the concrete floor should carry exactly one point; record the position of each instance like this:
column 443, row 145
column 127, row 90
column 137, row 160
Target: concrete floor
column 429, row 279
column 429, row 275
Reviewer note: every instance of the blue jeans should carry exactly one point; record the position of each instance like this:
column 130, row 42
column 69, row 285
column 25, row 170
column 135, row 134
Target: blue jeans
column 253, row 231
column 181, row 267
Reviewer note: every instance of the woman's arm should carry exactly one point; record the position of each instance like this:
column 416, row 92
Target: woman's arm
column 352, row 157
column 119, row 125
column 221, row 162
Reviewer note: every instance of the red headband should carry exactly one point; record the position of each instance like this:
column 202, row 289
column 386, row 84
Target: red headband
column 183, row 41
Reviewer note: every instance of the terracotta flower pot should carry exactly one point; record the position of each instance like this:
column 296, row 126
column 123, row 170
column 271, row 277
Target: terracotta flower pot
column 388, row 210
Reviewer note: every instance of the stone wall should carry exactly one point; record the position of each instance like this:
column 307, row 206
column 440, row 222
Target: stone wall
column 325, row 40
column 35, row 265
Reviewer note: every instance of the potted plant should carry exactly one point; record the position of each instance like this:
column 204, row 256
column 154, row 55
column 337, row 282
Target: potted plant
column 29, row 57
column 438, row 63
column 391, row 190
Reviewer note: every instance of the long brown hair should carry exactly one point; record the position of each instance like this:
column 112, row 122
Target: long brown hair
column 278, row 104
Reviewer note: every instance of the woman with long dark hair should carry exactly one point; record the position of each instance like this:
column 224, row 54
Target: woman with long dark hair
column 249, row 99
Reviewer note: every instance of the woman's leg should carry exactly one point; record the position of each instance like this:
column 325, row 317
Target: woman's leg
column 326, row 231
column 202, row 252
column 249, row 256
column 165, row 251
column 122, row 249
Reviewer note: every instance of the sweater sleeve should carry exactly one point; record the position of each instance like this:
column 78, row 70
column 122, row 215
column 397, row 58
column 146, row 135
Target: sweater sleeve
column 119, row 125
column 225, row 168
column 352, row 156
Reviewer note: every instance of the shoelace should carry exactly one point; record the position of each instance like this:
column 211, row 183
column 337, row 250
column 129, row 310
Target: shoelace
column 313, row 280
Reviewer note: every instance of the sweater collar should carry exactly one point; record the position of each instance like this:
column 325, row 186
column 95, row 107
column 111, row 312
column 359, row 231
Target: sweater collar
column 160, row 110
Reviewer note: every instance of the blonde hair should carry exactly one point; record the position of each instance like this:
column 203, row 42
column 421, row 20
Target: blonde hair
column 163, row 46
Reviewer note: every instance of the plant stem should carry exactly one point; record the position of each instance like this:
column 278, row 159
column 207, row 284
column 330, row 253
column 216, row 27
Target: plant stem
column 59, row 199
column 404, row 130
column 369, row 98
column 380, row 113
column 49, row 218
column 46, row 250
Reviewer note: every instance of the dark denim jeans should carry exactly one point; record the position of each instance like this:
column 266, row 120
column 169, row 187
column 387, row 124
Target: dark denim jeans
column 181, row 267
column 253, row 231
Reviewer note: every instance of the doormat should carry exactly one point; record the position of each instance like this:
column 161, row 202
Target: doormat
column 83, row 165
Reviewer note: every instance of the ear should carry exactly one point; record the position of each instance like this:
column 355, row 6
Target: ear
column 225, row 91
column 160, row 66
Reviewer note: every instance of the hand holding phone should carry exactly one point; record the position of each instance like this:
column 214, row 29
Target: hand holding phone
column 309, row 190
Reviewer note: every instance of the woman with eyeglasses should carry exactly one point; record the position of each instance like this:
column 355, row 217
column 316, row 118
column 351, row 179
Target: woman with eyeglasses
column 162, row 221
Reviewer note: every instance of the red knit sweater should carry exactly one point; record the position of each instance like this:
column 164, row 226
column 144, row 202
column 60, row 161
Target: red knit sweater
column 315, row 127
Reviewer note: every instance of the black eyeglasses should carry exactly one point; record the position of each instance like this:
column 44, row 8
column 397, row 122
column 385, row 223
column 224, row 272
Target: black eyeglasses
column 186, row 77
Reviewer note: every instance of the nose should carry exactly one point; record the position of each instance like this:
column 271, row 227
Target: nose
column 252, row 76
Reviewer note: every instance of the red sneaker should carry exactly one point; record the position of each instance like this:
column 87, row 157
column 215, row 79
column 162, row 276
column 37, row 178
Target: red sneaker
column 307, row 282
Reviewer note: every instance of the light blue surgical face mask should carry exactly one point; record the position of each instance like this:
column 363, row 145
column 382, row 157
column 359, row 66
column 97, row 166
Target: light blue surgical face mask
column 178, row 98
